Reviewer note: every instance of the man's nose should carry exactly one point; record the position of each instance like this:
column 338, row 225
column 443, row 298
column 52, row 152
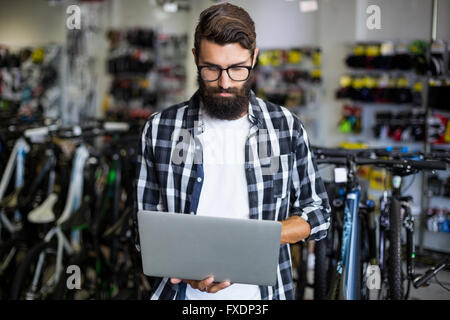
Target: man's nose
column 224, row 80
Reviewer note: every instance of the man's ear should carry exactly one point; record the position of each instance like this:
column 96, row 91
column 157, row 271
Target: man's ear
column 255, row 56
column 195, row 55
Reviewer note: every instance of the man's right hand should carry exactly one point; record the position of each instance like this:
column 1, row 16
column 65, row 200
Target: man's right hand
column 205, row 285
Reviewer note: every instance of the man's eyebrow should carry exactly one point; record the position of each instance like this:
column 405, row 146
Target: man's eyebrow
column 232, row 65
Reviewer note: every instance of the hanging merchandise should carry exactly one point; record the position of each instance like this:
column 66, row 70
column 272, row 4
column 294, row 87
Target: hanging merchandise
column 30, row 87
column 418, row 49
column 375, row 89
column 405, row 126
column 417, row 93
column 438, row 220
column 80, row 101
column 435, row 185
column 379, row 179
column 351, row 119
column 289, row 77
column 439, row 94
column 437, row 127
column 148, row 72
column 380, row 56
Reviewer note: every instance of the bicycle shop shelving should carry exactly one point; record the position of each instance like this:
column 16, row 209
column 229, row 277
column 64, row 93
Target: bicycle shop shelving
column 147, row 69
column 30, row 85
column 291, row 77
column 384, row 104
column 437, row 197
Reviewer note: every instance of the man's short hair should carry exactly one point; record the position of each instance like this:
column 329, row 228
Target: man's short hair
column 223, row 24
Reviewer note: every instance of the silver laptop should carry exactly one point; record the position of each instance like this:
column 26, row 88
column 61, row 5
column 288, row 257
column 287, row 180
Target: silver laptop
column 194, row 247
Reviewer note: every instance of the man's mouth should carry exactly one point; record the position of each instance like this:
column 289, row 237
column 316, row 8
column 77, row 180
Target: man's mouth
column 225, row 94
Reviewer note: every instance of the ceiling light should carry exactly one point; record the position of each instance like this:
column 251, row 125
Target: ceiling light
column 308, row 6
column 170, row 7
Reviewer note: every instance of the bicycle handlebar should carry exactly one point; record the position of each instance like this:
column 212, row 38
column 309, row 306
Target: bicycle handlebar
column 77, row 131
column 340, row 152
column 389, row 163
column 392, row 152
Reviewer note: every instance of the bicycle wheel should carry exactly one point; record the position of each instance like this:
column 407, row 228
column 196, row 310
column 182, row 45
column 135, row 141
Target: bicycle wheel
column 320, row 270
column 302, row 269
column 395, row 252
column 10, row 252
column 22, row 286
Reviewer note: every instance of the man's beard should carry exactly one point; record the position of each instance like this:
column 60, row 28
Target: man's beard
column 225, row 108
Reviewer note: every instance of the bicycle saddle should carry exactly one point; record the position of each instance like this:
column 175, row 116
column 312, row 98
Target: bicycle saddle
column 44, row 213
column 11, row 200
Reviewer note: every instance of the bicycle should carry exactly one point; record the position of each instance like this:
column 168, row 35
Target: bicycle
column 347, row 276
column 350, row 234
column 109, row 259
column 396, row 213
column 42, row 267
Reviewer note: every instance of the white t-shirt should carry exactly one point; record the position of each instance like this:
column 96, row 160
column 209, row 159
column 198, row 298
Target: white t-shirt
column 224, row 191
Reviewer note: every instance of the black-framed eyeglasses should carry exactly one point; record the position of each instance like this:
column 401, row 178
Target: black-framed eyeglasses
column 213, row 73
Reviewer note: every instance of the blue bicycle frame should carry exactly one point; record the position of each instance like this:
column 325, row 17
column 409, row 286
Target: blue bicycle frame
column 349, row 266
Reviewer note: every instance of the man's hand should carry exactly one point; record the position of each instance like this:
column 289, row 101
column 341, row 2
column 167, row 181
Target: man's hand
column 205, row 285
column 294, row 229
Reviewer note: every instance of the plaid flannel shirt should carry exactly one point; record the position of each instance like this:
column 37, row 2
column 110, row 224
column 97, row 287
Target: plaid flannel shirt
column 281, row 173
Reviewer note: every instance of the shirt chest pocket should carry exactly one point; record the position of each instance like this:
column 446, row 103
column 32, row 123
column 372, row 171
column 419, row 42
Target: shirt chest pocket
column 279, row 170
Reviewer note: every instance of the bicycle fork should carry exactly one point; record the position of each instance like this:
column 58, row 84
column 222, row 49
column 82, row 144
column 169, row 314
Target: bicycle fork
column 408, row 224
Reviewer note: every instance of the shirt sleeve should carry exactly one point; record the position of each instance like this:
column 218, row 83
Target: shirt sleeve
column 147, row 186
column 309, row 198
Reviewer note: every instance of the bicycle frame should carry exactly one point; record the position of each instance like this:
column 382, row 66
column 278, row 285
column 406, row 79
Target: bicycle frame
column 349, row 266
column 17, row 159
column 72, row 204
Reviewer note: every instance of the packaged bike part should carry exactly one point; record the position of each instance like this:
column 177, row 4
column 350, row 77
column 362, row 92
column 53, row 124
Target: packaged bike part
column 434, row 185
column 417, row 93
column 402, row 93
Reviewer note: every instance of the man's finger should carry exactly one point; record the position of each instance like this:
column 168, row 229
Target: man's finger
column 175, row 280
column 204, row 284
column 218, row 287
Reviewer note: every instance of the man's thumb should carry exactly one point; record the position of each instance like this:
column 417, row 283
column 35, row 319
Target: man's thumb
column 175, row 280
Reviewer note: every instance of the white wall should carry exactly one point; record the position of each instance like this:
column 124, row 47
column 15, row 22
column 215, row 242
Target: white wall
column 337, row 23
column 400, row 19
column 404, row 19
column 280, row 24
column 25, row 22
column 145, row 13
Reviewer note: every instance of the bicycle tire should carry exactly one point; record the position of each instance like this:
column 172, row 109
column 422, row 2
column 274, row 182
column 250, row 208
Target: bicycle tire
column 395, row 252
column 320, row 270
column 323, row 251
column 9, row 267
column 25, row 272
column 302, row 270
